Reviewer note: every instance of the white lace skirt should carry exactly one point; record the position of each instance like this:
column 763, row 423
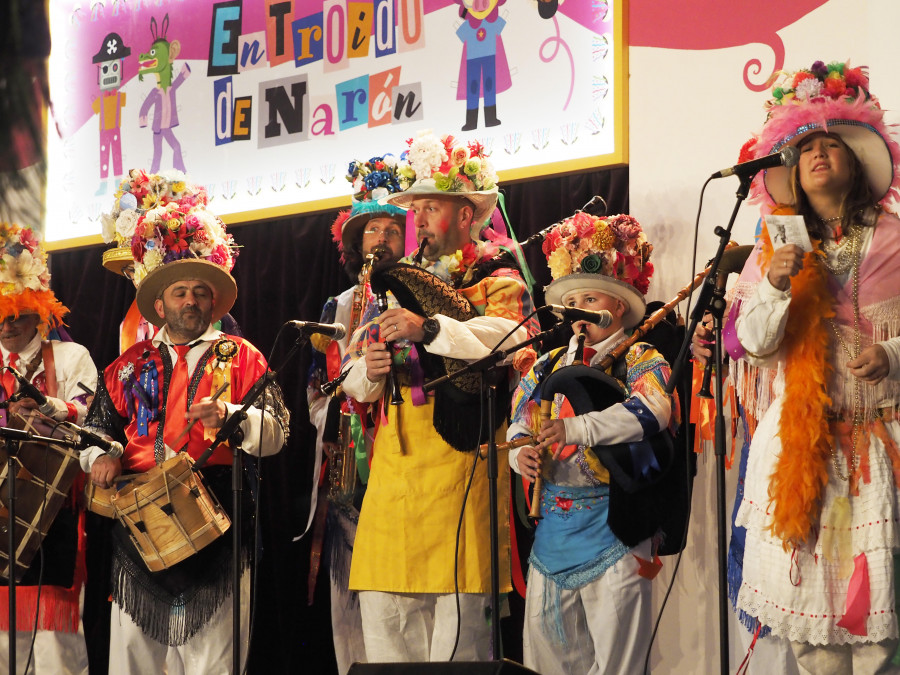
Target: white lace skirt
column 802, row 594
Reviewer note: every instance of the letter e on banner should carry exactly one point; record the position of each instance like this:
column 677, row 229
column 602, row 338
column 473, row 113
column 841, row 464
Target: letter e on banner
column 381, row 96
column 222, row 110
column 243, row 109
column 225, row 29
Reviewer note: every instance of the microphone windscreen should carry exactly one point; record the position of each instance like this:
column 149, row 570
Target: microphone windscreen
column 734, row 258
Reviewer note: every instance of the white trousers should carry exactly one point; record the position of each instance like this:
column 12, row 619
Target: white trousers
column 55, row 653
column 607, row 623
column 864, row 658
column 209, row 652
column 409, row 627
column 346, row 620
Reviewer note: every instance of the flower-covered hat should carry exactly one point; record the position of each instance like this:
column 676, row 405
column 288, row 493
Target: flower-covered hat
column 182, row 240
column 25, row 280
column 610, row 254
column 445, row 166
column 833, row 98
column 372, row 181
column 139, row 192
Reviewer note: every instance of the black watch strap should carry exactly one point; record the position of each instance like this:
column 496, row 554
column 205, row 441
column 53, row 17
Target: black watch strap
column 431, row 327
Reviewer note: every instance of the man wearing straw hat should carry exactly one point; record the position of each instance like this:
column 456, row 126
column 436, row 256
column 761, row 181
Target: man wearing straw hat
column 369, row 228
column 62, row 372
column 180, row 618
column 405, row 554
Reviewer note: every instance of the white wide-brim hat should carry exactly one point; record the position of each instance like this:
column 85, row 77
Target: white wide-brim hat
column 558, row 291
column 483, row 201
column 864, row 140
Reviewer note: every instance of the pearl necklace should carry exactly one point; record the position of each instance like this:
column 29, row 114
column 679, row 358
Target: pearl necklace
column 829, row 220
column 843, row 254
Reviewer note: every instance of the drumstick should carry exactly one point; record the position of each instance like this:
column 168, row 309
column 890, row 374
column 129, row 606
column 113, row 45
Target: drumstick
column 217, row 394
column 535, row 512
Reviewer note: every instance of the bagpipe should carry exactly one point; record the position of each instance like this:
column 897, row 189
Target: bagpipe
column 457, row 401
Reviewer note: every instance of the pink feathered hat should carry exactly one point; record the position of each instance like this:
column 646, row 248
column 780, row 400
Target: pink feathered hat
column 832, row 98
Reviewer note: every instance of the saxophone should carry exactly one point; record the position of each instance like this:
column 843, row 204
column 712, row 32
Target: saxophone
column 342, row 472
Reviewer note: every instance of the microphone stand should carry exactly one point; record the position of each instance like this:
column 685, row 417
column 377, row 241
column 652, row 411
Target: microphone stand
column 705, row 302
column 14, row 438
column 489, row 389
column 231, row 431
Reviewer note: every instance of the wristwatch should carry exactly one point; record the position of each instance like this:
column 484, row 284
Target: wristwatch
column 431, row 328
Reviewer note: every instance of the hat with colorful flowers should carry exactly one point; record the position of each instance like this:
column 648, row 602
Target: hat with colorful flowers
column 180, row 240
column 372, row 181
column 609, row 254
column 445, row 166
column 139, row 192
column 25, row 279
column 832, row 98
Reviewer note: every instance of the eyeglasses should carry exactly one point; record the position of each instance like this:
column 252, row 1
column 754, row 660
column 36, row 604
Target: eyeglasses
column 391, row 233
column 20, row 320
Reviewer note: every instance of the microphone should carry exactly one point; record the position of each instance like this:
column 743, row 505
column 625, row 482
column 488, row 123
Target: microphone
column 333, row 330
column 788, row 156
column 603, row 318
column 85, row 438
column 28, row 390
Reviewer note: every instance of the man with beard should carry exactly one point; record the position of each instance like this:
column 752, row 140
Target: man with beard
column 179, row 619
column 374, row 229
column 406, row 564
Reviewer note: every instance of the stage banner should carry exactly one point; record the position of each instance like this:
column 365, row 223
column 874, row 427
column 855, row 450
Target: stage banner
column 266, row 102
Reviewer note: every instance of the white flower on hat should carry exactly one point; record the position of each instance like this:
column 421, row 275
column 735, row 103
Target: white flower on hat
column 426, row 155
column 26, row 271
column 108, row 227
column 125, row 224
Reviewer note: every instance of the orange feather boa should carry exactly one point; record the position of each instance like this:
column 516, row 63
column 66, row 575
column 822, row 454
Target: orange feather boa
column 797, row 485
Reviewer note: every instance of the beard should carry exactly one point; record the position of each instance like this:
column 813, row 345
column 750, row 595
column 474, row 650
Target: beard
column 189, row 322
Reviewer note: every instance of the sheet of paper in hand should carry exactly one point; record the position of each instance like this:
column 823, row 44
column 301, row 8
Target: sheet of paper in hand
column 788, row 230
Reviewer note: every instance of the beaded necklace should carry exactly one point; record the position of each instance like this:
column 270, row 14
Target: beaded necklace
column 857, row 339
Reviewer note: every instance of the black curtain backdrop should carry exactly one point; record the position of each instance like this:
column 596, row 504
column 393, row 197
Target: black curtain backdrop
column 286, row 269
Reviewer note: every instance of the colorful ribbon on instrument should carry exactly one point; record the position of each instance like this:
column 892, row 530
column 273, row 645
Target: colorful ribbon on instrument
column 358, row 444
column 145, row 395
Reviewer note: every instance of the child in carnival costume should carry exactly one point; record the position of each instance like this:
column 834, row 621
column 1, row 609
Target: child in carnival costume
column 369, row 227
column 588, row 598
column 48, row 592
column 820, row 339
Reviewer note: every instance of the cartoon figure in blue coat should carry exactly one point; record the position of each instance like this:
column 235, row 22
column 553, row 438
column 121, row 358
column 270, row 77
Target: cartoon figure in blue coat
column 484, row 71
column 158, row 61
